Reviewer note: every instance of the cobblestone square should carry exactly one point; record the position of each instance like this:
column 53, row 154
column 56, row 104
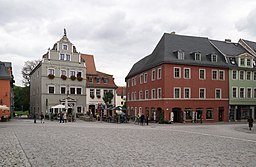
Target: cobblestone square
column 96, row 144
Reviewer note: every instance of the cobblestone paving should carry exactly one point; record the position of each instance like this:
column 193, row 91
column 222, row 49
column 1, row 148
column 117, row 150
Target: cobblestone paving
column 23, row 143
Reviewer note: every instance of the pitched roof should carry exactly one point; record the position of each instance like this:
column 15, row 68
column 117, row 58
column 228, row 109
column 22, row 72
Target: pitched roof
column 166, row 52
column 251, row 44
column 89, row 62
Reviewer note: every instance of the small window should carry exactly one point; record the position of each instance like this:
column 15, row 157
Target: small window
column 198, row 56
column 153, row 75
column 140, row 95
column 187, row 73
column 232, row 61
column 79, row 74
column 176, row 72
column 214, row 58
column 90, row 79
column 159, row 73
column 209, row 113
column 248, row 62
column 146, row 94
column 234, row 92
column 98, row 93
column 181, row 55
column 105, row 80
column 72, row 73
column 63, row 72
column 248, row 75
column 186, row 93
column 72, row 91
column 92, row 93
column 202, row 93
column 62, row 56
column 145, row 77
column 65, row 47
column 214, row 74
column 51, row 71
column 98, row 80
column 68, row 57
column 62, row 90
column 153, row 93
column 141, row 78
column 242, row 61
column 221, row 75
column 218, row 93
column 79, row 91
column 254, row 93
column 202, row 74
column 51, row 89
column 159, row 93
column 234, row 74
column 241, row 75
column 249, row 93
column 176, row 93
column 242, row 92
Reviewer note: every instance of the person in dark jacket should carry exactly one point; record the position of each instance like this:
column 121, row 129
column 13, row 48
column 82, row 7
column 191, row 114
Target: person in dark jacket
column 142, row 117
column 250, row 122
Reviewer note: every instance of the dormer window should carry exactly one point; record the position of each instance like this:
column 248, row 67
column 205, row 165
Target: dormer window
column 248, row 62
column 232, row 61
column 181, row 55
column 214, row 58
column 198, row 56
column 242, row 62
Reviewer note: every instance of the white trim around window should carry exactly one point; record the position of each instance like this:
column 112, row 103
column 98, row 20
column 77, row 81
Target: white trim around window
column 249, row 96
column 174, row 92
column 65, row 89
column 61, row 70
column 185, row 92
column 48, row 87
column 236, row 74
column 216, row 71
column 236, row 91
column 243, row 95
column 145, row 77
column 189, row 73
column 223, row 77
column 159, row 73
column 200, row 74
column 153, row 75
column 204, row 95
column 50, row 71
column 178, row 76
column 218, row 90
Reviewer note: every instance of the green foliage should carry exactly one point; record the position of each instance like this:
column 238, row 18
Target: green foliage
column 22, row 112
column 107, row 98
column 21, row 98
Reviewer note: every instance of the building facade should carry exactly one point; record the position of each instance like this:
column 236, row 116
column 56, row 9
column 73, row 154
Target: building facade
column 185, row 79
column 59, row 74
column 6, row 90
column 97, row 85
column 120, row 96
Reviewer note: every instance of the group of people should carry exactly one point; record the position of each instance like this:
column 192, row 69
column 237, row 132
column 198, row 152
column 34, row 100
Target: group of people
column 63, row 117
column 141, row 119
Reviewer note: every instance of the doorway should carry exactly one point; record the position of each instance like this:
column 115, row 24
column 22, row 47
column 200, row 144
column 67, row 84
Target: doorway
column 221, row 112
column 177, row 115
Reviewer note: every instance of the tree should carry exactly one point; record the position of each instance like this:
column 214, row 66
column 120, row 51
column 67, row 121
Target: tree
column 107, row 98
column 27, row 69
column 21, row 98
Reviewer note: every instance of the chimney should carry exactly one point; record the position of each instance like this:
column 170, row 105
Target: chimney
column 228, row 40
column 173, row 32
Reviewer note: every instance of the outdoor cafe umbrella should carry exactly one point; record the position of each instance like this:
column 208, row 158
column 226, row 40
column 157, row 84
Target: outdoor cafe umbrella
column 58, row 106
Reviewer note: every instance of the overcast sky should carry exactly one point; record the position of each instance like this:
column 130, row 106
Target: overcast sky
column 117, row 32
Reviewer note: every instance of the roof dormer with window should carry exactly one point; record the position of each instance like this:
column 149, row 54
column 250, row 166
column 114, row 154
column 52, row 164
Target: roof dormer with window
column 197, row 56
column 214, row 57
column 245, row 60
column 180, row 54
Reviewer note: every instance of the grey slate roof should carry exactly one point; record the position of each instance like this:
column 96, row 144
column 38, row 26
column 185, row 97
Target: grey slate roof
column 251, row 44
column 164, row 53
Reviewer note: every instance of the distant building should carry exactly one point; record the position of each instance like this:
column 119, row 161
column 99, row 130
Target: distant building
column 6, row 82
column 120, row 96
column 59, row 74
column 98, row 83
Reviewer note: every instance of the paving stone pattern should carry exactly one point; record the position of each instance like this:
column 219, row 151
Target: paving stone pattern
column 95, row 144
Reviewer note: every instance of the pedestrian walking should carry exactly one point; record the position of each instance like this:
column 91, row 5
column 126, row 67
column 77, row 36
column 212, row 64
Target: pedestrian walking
column 35, row 118
column 250, row 122
column 42, row 118
column 142, row 117
column 147, row 119
column 65, row 117
column 61, row 117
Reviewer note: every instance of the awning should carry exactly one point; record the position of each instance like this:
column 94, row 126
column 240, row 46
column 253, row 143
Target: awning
column 58, row 106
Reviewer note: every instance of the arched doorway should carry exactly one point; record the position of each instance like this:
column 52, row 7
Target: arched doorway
column 177, row 115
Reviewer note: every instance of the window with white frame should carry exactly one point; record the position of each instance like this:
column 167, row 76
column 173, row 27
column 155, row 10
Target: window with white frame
column 62, row 56
column 254, row 93
column 214, row 57
column 181, row 55
column 248, row 62
column 202, row 74
column 128, row 96
column 248, row 75
column 153, row 77
column 63, row 72
column 242, row 93
column 92, row 93
column 202, row 93
column 146, row 94
column 140, row 95
column 141, row 78
column 90, row 79
column 254, row 76
column 63, row 90
column 72, row 73
column 214, row 74
column 65, row 47
column 68, row 58
column 105, row 80
column 234, row 92
column 153, row 93
column 249, row 93
column 97, row 80
column 189, row 113
column 145, row 77
column 197, row 56
column 241, row 75
column 221, row 75
column 79, row 90
column 159, row 73
column 217, row 93
column 72, row 90
column 51, row 71
column 134, row 96
column 128, row 83
column 79, row 74
column 186, row 93
column 177, row 92
column 234, row 74
column 176, row 72
column 242, row 62
column 159, row 93
column 51, row 89
column 187, row 73
column 98, row 93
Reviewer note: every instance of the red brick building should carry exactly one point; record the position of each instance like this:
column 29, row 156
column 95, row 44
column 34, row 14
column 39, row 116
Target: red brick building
column 184, row 79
